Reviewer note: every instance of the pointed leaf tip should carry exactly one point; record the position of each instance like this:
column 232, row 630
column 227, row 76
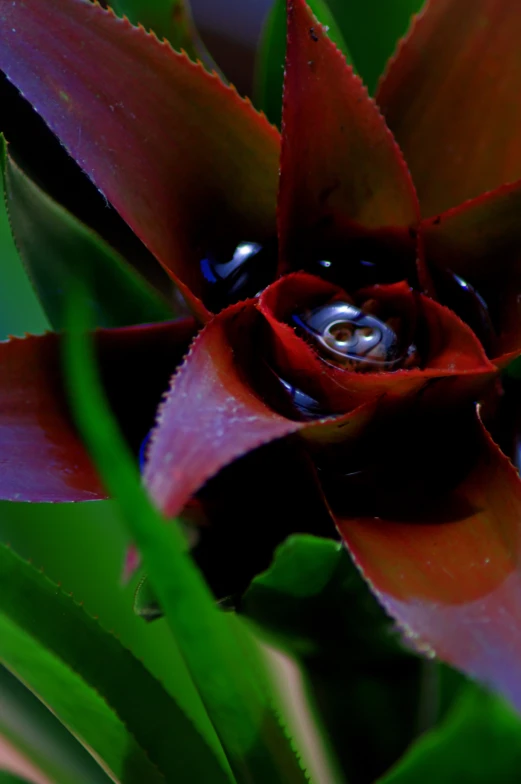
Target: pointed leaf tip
column 341, row 170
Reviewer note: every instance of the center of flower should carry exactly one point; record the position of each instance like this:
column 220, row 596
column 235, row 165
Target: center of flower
column 354, row 338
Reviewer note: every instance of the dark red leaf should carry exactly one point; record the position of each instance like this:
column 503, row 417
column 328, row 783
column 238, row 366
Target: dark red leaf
column 342, row 174
column 449, row 97
column 42, row 458
column 212, row 414
column 181, row 156
column 220, row 408
column 444, row 562
column 481, row 241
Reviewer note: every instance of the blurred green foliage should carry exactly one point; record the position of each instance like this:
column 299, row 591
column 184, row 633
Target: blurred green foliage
column 371, row 29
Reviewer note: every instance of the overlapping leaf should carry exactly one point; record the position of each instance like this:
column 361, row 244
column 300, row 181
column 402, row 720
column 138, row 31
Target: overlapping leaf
column 372, row 30
column 269, row 75
column 34, row 608
column 342, row 173
column 448, row 98
column 217, row 650
column 169, row 19
column 439, row 543
column 40, row 737
column 43, row 458
column 169, row 145
column 54, row 246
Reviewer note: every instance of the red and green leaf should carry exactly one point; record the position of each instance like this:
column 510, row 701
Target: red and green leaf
column 55, row 247
column 171, row 19
column 185, row 161
column 269, row 70
column 42, row 457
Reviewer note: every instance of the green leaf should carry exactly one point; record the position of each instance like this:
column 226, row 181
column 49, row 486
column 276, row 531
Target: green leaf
column 269, row 71
column 37, row 607
column 20, row 311
column 38, row 735
column 217, row 648
column 76, row 704
column 479, row 742
column 55, row 245
column 82, row 546
column 11, row 778
column 372, row 29
column 313, row 603
column 170, row 19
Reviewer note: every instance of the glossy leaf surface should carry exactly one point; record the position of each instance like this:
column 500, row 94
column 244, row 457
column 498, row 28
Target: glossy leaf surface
column 269, row 76
column 342, row 174
column 172, row 150
column 42, row 458
column 443, row 558
column 479, row 741
column 447, row 97
column 218, row 651
column 54, row 245
column 63, row 628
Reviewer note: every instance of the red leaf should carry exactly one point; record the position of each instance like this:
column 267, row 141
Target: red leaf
column 342, row 174
column 42, row 458
column 481, row 241
column 448, row 569
column 219, row 409
column 212, row 415
column 452, row 354
column 180, row 155
column 450, row 98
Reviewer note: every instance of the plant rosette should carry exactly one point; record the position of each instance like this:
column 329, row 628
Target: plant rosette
column 357, row 282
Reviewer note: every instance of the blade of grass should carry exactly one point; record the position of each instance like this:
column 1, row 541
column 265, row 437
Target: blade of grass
column 212, row 643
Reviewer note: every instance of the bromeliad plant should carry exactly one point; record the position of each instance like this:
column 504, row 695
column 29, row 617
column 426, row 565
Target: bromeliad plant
column 349, row 332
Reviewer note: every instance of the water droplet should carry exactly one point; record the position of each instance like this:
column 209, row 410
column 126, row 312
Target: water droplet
column 305, row 405
column 228, row 280
column 348, row 336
